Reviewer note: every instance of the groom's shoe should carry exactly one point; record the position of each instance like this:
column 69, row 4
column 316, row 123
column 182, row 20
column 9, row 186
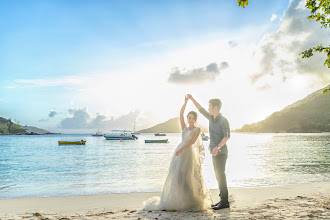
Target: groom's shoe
column 213, row 205
column 221, row 206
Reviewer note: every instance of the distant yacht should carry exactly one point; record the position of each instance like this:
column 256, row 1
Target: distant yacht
column 160, row 134
column 204, row 137
column 120, row 135
column 134, row 130
column 97, row 134
column 156, row 141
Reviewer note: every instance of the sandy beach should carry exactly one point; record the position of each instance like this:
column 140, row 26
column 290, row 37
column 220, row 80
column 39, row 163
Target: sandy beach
column 275, row 202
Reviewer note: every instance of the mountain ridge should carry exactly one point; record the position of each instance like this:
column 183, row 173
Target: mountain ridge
column 31, row 129
column 310, row 114
column 170, row 126
column 9, row 127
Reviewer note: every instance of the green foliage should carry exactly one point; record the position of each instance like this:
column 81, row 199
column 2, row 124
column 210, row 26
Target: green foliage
column 320, row 9
column 16, row 129
column 8, row 127
column 3, row 129
column 308, row 53
column 326, row 90
column 243, row 3
column 320, row 12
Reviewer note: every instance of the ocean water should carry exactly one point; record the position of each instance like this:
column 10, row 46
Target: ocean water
column 36, row 166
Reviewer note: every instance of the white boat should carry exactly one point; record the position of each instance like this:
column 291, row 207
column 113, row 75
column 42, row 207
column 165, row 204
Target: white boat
column 120, row 135
column 97, row 134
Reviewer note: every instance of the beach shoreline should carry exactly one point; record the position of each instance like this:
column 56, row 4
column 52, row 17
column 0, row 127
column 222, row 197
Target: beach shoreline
column 287, row 201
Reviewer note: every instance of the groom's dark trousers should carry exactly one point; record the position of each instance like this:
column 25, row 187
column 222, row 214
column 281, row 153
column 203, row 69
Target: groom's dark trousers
column 218, row 129
column 219, row 165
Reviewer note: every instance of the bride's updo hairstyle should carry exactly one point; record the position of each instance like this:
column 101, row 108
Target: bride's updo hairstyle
column 194, row 114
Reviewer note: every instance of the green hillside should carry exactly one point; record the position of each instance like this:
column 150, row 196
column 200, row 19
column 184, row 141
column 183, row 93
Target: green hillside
column 9, row 127
column 170, row 126
column 311, row 114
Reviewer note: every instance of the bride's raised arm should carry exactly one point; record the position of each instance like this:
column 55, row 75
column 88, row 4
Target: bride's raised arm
column 183, row 124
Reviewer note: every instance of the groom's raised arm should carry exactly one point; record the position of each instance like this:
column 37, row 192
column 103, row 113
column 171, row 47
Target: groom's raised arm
column 199, row 107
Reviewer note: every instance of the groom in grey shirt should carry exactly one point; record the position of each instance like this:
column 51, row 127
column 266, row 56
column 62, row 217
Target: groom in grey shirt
column 219, row 134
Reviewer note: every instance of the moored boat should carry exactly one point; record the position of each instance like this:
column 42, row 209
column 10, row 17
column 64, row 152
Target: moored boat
column 204, row 137
column 156, row 141
column 120, row 135
column 160, row 134
column 98, row 134
column 82, row 142
column 134, row 132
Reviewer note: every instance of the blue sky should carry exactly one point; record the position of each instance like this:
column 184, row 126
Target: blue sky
column 66, row 37
column 54, row 55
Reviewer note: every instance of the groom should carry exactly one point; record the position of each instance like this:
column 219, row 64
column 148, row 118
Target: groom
column 219, row 135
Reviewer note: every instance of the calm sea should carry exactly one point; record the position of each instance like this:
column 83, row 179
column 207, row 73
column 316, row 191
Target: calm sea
column 36, row 166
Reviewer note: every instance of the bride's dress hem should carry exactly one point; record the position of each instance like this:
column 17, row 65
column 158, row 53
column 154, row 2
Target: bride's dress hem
column 184, row 188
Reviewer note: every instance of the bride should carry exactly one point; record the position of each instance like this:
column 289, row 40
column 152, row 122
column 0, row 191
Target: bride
column 184, row 188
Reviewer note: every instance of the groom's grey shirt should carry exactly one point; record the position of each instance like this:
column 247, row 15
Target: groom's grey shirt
column 218, row 129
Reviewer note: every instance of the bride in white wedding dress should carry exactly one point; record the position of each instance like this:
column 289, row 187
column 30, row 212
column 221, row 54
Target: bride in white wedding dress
column 184, row 188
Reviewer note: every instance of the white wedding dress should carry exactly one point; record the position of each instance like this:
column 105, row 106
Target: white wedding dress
column 184, row 188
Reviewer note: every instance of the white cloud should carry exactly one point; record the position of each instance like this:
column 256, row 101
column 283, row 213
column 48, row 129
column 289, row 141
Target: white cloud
column 232, row 43
column 278, row 52
column 274, row 17
column 35, row 83
column 81, row 119
column 52, row 113
column 198, row 75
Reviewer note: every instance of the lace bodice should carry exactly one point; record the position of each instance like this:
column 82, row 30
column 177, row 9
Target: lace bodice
column 187, row 134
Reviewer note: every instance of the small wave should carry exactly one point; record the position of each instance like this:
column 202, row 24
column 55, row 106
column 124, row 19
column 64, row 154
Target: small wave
column 4, row 187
